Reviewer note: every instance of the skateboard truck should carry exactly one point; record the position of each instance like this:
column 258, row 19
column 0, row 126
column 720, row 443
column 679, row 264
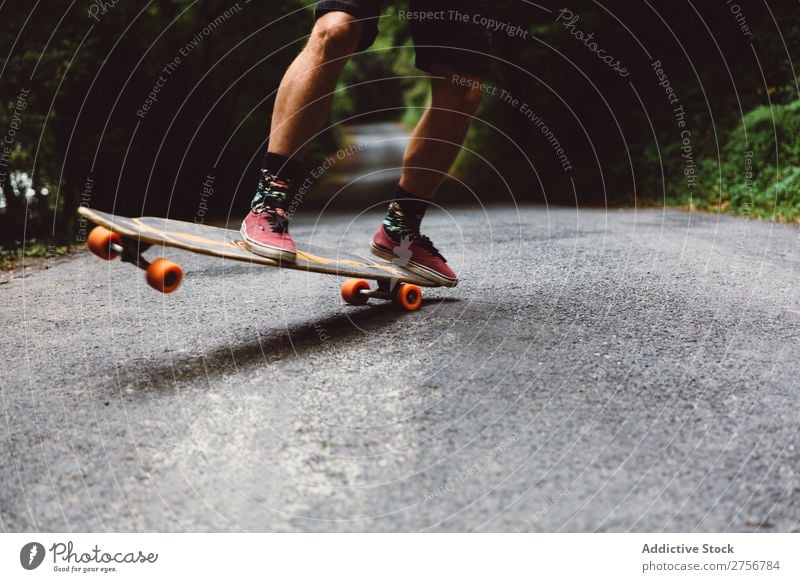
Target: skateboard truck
column 162, row 274
column 405, row 295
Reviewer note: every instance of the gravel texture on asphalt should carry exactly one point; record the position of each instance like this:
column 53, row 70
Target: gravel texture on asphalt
column 593, row 371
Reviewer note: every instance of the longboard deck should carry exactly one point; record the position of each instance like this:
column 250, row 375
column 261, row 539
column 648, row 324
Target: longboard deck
column 226, row 243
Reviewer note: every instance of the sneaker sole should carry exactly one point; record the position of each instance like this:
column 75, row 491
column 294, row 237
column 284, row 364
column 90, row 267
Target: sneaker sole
column 267, row 251
column 416, row 268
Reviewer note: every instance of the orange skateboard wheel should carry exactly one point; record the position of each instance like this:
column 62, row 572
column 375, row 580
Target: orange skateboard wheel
column 408, row 296
column 164, row 275
column 100, row 241
column 351, row 291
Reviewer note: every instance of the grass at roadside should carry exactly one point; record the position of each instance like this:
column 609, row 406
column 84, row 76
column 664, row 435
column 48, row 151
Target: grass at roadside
column 10, row 258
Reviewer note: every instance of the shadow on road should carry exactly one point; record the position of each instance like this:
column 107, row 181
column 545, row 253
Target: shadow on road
column 276, row 345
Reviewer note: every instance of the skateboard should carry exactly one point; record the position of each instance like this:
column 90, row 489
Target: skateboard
column 128, row 238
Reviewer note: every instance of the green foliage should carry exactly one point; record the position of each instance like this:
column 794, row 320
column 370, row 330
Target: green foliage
column 33, row 250
column 622, row 135
column 376, row 84
column 758, row 173
column 86, row 79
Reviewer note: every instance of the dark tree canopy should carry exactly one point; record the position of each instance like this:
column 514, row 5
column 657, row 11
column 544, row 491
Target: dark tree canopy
column 131, row 106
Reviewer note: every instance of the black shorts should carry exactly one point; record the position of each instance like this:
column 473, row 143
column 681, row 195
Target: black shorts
column 445, row 32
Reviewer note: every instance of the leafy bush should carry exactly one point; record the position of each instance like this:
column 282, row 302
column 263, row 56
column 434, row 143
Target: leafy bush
column 24, row 210
column 758, row 173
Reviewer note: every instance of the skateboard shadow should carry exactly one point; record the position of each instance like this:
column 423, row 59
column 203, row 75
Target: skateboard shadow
column 274, row 346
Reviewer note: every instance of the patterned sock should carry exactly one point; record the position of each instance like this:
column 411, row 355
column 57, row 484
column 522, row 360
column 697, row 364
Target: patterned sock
column 405, row 214
column 277, row 173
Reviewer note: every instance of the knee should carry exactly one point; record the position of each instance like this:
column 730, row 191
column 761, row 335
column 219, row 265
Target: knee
column 335, row 35
column 464, row 98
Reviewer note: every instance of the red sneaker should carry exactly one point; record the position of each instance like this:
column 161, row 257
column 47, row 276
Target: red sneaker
column 266, row 231
column 415, row 253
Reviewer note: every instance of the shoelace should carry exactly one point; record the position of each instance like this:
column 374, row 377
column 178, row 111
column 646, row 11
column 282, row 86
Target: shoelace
column 275, row 217
column 426, row 244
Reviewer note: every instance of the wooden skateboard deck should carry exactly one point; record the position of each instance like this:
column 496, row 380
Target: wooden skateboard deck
column 130, row 233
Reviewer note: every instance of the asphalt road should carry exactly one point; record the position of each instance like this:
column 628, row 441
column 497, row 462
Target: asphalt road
column 595, row 371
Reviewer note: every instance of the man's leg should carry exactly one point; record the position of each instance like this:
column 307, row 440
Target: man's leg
column 305, row 94
column 430, row 153
column 440, row 133
column 456, row 52
column 301, row 107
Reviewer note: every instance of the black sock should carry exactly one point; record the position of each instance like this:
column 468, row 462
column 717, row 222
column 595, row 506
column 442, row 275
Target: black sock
column 405, row 214
column 277, row 173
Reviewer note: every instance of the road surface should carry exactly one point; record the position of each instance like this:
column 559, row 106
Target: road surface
column 594, row 371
